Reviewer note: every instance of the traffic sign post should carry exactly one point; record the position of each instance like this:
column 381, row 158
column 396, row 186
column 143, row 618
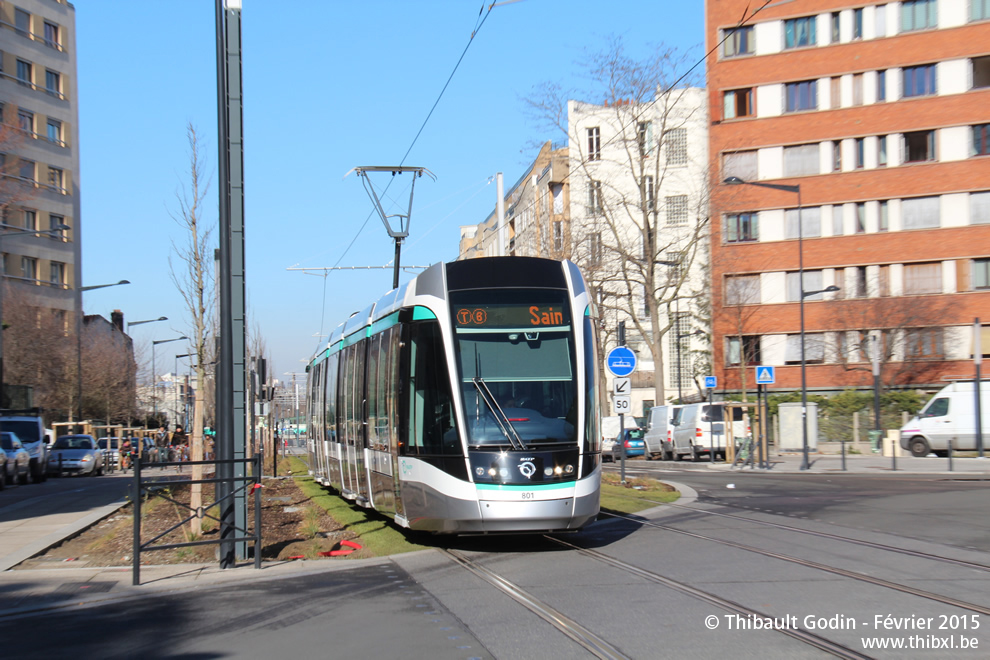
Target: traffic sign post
column 621, row 362
column 765, row 375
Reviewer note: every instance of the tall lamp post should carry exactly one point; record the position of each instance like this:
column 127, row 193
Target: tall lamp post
column 154, row 385
column 735, row 181
column 79, row 319
column 160, row 318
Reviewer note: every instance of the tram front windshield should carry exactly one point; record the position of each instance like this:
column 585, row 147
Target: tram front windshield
column 515, row 351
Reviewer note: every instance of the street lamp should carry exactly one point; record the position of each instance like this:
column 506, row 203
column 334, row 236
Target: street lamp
column 4, row 234
column 735, row 181
column 154, row 385
column 79, row 318
column 160, row 318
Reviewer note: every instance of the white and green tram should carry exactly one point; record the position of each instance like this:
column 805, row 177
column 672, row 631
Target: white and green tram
column 464, row 401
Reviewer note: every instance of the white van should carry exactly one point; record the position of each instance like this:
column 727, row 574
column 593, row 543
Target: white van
column 950, row 415
column 660, row 430
column 701, row 428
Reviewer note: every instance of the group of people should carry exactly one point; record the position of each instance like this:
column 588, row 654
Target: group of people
column 167, row 447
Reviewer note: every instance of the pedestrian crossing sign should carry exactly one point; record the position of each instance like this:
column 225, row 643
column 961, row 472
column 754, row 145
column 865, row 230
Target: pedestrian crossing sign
column 765, row 375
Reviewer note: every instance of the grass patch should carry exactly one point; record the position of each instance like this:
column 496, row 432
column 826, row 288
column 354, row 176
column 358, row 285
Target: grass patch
column 636, row 495
column 377, row 534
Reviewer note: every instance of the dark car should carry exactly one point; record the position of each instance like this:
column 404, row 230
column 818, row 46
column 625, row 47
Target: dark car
column 631, row 441
column 15, row 462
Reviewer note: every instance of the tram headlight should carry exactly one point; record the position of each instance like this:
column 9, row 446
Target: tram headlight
column 569, row 469
column 558, row 470
column 492, row 472
column 549, row 471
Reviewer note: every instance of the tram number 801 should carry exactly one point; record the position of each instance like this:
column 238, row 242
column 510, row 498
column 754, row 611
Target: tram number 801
column 527, row 496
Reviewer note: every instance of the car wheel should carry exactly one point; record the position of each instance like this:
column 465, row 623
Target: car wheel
column 919, row 447
column 3, row 477
column 22, row 479
column 694, row 454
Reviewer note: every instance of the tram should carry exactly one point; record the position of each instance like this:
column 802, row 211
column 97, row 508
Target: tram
column 464, row 402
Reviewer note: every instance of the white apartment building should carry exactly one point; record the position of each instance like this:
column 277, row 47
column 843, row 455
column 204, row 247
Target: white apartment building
column 638, row 177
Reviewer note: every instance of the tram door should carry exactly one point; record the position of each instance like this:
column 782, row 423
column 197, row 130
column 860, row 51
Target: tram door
column 353, row 400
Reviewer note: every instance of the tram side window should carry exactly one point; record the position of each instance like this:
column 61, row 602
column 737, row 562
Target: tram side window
column 430, row 411
column 592, row 439
column 374, row 383
column 330, row 416
column 392, row 385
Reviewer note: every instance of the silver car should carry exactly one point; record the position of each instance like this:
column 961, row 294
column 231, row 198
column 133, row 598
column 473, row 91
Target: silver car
column 76, row 454
column 14, row 460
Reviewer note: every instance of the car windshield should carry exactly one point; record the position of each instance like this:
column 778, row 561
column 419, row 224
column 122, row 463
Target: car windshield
column 6, row 441
column 25, row 429
column 635, row 435
column 69, row 442
column 515, row 359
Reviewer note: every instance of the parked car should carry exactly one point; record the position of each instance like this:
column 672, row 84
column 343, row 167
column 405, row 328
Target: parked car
column 950, row 415
column 77, row 453
column 703, row 427
column 630, row 441
column 610, row 431
column 660, row 431
column 30, row 428
column 16, row 460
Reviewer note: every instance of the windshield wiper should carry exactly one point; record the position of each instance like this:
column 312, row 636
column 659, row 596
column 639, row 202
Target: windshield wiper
column 508, row 430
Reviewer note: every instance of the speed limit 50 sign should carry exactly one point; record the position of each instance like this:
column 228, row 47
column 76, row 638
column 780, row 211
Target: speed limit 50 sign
column 622, row 404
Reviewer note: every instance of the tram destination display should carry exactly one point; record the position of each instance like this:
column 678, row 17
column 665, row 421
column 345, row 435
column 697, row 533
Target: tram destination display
column 511, row 316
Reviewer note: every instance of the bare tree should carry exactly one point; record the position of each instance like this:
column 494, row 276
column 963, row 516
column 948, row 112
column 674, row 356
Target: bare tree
column 191, row 273
column 641, row 236
column 39, row 351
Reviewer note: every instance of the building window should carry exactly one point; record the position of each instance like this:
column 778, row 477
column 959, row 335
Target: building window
column 810, row 222
column 834, row 23
column 860, row 217
column 801, row 96
column 26, row 169
column 743, row 350
column 738, row 103
column 677, row 210
column 29, row 268
column 860, row 152
column 814, row 348
column 742, row 227
column 918, row 80
column 22, row 22
column 25, row 120
column 595, row 205
column 24, row 72
column 919, row 146
column 837, row 156
column 738, row 41
column 924, row 344
column 57, row 273
column 979, row 208
column 812, row 282
column 741, row 164
column 56, row 178
column 51, row 36
column 558, row 235
column 920, row 212
column 594, row 143
column 30, row 220
column 595, row 249
column 918, row 15
column 857, row 89
column 921, row 279
column 981, row 140
column 981, row 71
column 801, row 160
column 979, row 10
column 884, row 281
column 677, row 146
column 55, row 131
column 649, row 200
column 55, row 221
column 881, row 85
column 883, row 221
column 882, row 151
column 880, row 22
column 678, row 343
column 837, row 223
column 980, row 272
column 644, row 135
column 858, row 23
column 742, row 290
column 800, row 32
column 53, row 83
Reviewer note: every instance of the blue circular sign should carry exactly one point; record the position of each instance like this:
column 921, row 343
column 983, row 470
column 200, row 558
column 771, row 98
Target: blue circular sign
column 621, row 361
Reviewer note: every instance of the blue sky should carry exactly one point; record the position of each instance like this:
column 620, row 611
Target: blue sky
column 328, row 86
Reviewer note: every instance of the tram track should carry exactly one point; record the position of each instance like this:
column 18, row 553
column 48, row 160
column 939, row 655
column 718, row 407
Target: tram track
column 861, row 577
column 601, row 648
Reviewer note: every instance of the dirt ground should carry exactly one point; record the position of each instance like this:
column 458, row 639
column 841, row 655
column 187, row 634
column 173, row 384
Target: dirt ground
column 292, row 527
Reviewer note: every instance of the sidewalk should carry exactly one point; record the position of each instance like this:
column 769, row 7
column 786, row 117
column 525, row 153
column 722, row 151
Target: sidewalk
column 869, row 464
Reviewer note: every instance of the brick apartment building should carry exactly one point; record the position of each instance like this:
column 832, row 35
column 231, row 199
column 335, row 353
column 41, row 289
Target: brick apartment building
column 879, row 114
